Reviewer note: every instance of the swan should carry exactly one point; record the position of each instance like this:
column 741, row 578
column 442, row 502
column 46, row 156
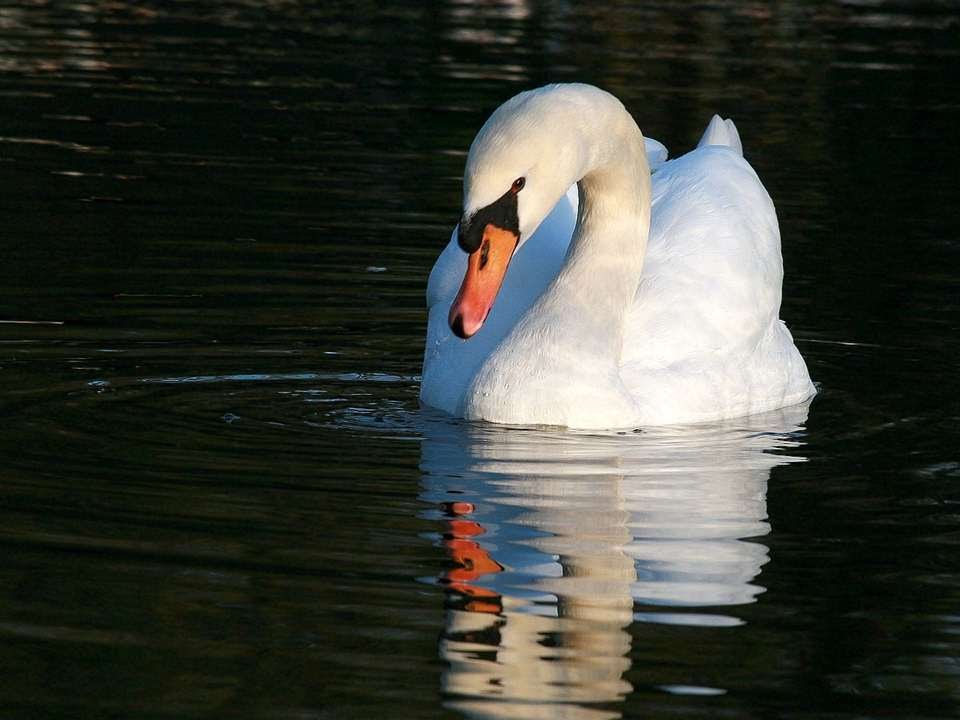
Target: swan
column 592, row 283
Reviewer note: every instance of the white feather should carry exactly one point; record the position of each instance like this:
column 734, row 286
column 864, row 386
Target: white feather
column 625, row 327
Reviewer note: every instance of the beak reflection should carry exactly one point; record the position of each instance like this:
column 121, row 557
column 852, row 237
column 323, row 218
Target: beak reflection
column 563, row 549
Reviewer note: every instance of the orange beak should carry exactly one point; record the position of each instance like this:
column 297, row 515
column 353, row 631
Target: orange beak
column 486, row 268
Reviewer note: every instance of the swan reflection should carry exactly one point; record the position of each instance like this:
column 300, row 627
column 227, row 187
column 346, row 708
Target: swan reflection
column 555, row 537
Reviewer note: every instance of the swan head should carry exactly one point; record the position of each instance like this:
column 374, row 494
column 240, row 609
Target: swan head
column 523, row 160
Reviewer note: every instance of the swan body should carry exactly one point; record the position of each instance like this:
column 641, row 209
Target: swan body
column 629, row 300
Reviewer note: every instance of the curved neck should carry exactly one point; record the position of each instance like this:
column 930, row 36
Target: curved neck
column 598, row 283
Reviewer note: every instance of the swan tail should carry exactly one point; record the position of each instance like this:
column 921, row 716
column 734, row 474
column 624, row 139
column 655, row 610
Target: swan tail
column 722, row 132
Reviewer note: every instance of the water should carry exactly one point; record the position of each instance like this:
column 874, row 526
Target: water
column 219, row 496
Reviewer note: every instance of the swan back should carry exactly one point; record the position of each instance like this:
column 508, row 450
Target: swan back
column 704, row 340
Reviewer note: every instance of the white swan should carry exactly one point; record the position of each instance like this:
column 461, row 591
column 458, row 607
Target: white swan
column 659, row 306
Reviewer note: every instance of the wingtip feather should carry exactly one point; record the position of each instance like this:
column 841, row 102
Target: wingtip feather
column 722, row 132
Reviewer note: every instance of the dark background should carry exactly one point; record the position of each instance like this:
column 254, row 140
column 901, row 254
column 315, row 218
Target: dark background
column 217, row 223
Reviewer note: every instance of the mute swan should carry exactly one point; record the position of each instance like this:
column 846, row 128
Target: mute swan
column 578, row 291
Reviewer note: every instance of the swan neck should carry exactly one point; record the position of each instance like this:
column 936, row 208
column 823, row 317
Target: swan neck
column 609, row 241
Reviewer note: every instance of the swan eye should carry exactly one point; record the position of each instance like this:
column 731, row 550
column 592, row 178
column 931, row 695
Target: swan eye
column 518, row 184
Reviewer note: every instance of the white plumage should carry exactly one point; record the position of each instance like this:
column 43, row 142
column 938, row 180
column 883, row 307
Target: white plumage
column 658, row 305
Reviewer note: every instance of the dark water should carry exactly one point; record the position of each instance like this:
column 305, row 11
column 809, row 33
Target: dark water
column 219, row 496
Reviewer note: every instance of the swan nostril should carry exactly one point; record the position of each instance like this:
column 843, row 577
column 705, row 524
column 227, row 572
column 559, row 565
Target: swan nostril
column 456, row 324
column 484, row 253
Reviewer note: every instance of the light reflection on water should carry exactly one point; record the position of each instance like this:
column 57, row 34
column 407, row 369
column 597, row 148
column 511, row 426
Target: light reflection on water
column 555, row 537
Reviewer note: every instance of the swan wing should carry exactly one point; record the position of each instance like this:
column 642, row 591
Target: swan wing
column 656, row 153
column 703, row 338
